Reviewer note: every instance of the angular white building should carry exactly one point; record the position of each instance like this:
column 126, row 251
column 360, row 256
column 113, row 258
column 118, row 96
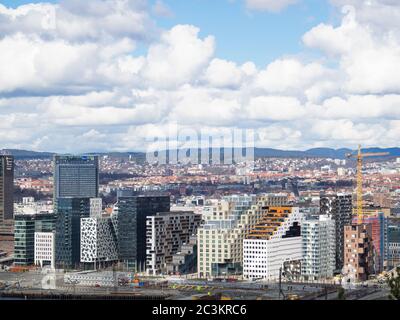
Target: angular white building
column 319, row 248
column 274, row 243
column 98, row 241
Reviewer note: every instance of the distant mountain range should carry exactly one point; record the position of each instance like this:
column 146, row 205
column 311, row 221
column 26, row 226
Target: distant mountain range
column 322, row 152
column 258, row 152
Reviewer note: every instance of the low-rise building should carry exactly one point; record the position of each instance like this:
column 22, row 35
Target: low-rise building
column 184, row 261
column 45, row 249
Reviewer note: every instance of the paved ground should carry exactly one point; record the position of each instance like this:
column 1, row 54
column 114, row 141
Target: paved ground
column 33, row 281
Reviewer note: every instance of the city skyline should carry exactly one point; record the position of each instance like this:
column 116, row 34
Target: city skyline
column 294, row 223
column 301, row 74
column 176, row 150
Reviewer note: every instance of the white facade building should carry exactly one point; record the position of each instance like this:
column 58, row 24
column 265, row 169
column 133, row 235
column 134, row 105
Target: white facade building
column 45, row 249
column 274, row 241
column 98, row 244
column 319, row 248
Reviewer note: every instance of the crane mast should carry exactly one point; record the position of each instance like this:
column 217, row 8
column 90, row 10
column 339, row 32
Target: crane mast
column 359, row 192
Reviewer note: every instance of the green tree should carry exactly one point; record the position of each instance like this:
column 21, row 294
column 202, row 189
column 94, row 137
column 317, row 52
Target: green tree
column 394, row 284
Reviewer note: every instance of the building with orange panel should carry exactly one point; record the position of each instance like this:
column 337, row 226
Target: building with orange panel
column 273, row 243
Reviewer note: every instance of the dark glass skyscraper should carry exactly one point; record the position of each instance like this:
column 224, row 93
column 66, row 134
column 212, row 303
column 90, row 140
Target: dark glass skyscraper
column 131, row 226
column 69, row 212
column 6, row 192
column 76, row 176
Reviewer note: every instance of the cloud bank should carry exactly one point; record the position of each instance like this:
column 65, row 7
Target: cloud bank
column 73, row 80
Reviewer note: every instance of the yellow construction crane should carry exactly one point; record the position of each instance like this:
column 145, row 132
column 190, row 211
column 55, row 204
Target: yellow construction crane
column 360, row 157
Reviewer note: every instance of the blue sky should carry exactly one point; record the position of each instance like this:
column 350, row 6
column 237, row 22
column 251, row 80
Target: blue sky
column 272, row 34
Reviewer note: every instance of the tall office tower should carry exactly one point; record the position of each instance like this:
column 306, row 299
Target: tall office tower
column 98, row 241
column 24, row 235
column 377, row 221
column 358, row 253
column 392, row 243
column 319, row 248
column 130, row 214
column 227, row 223
column 76, row 176
column 273, row 244
column 340, row 207
column 167, row 232
column 6, row 194
column 69, row 212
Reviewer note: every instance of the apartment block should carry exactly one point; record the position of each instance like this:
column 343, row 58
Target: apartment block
column 340, row 207
column 184, row 261
column 167, row 233
column 319, row 248
column 358, row 252
column 377, row 221
column 273, row 243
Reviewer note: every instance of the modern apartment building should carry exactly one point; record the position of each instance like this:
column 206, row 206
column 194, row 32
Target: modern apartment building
column 184, row 261
column 358, row 252
column 167, row 232
column 377, row 221
column 6, row 194
column 76, row 176
column 129, row 217
column 319, row 248
column 340, row 207
column 227, row 223
column 273, row 244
